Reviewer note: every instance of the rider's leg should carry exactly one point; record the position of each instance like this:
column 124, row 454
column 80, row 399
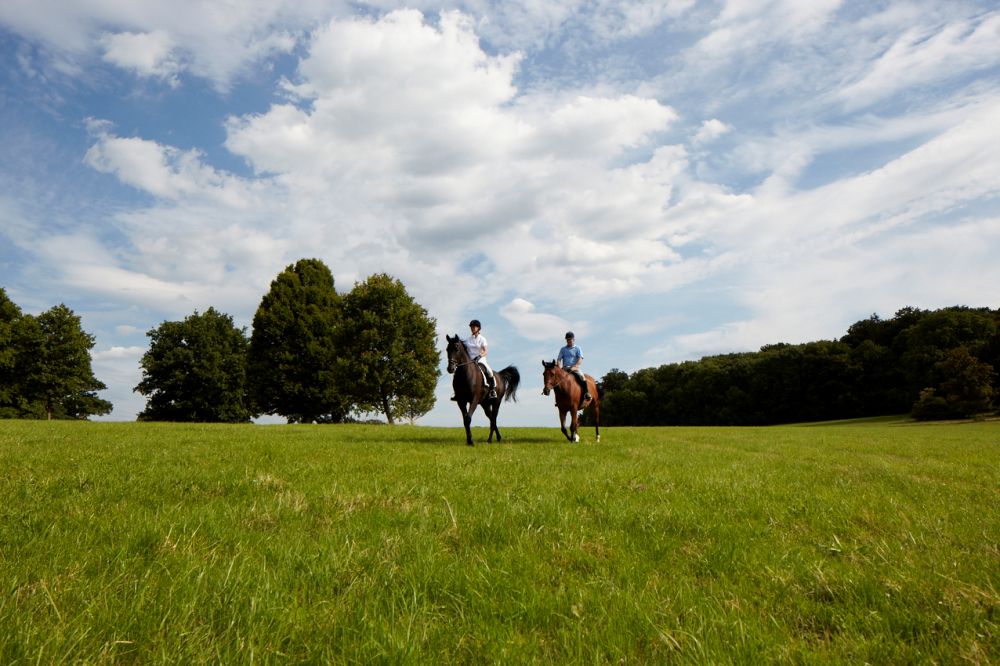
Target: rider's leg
column 583, row 384
column 490, row 378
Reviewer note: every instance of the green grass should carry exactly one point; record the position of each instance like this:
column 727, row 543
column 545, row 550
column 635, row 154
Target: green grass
column 140, row 543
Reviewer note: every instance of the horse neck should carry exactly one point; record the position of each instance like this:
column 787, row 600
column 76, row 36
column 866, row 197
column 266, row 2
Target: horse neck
column 466, row 365
column 563, row 382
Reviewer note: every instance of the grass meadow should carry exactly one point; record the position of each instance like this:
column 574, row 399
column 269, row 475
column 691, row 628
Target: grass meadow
column 857, row 542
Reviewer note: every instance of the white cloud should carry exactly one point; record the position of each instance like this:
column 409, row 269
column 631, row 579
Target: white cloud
column 165, row 171
column 744, row 26
column 925, row 55
column 711, row 130
column 147, row 54
column 534, row 325
column 118, row 367
column 219, row 42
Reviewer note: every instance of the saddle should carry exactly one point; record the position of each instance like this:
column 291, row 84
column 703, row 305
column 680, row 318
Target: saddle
column 486, row 381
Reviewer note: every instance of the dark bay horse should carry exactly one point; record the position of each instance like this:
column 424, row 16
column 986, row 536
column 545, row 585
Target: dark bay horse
column 471, row 388
column 569, row 398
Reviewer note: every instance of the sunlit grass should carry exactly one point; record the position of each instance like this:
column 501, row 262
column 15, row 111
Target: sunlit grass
column 193, row 543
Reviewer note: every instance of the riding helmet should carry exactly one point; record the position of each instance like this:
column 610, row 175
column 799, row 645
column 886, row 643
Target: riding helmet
column 569, row 334
column 475, row 322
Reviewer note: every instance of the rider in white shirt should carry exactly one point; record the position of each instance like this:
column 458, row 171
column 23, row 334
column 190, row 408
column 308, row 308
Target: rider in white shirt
column 475, row 344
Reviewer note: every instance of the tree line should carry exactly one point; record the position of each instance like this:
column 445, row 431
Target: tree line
column 936, row 364
column 313, row 356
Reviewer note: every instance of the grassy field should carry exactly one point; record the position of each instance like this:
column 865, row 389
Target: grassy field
column 851, row 543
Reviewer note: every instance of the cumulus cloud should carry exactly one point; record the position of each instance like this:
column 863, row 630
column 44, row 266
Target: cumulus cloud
column 711, row 130
column 531, row 324
column 454, row 160
column 147, row 54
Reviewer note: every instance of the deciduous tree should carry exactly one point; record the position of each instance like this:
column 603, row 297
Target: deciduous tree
column 10, row 314
column 54, row 360
column 388, row 355
column 195, row 370
column 292, row 359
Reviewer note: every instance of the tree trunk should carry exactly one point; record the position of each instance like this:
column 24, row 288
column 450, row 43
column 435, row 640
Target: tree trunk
column 387, row 409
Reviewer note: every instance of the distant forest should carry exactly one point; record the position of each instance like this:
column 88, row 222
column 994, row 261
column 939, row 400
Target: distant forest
column 936, row 364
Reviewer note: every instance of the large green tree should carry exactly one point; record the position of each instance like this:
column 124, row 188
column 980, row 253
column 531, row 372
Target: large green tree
column 293, row 348
column 53, row 362
column 388, row 355
column 195, row 370
column 10, row 315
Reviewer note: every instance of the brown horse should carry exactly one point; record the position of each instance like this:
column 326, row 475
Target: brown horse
column 569, row 398
column 471, row 388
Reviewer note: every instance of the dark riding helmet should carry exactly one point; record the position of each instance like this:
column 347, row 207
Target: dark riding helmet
column 569, row 334
column 475, row 322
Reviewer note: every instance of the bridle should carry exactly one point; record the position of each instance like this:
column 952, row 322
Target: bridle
column 454, row 365
column 559, row 384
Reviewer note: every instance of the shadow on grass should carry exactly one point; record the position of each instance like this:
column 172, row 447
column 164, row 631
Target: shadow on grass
column 459, row 439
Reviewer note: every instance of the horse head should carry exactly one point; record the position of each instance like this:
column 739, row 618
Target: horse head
column 550, row 376
column 456, row 353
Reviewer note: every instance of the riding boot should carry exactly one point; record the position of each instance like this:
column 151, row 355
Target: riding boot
column 493, row 388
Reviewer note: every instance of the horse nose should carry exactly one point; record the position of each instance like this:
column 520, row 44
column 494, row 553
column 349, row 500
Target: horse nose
column 545, row 391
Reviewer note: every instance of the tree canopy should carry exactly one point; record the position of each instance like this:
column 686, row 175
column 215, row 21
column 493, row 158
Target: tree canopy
column 195, row 370
column 387, row 351
column 45, row 365
column 292, row 359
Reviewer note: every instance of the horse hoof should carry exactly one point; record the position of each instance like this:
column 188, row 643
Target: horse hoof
column 598, row 438
column 576, row 438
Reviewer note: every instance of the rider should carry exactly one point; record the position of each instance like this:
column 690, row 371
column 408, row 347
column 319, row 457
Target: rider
column 569, row 359
column 475, row 344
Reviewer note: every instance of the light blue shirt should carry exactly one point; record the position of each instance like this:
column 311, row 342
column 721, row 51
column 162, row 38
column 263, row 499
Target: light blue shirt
column 570, row 356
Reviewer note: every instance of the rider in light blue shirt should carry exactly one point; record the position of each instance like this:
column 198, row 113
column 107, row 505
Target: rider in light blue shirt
column 570, row 357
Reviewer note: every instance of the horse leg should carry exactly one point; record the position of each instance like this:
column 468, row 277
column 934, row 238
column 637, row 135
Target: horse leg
column 496, row 415
column 595, row 404
column 466, row 420
column 491, row 414
column 562, row 422
column 574, row 426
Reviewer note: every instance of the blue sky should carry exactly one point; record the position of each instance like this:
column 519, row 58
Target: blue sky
column 668, row 179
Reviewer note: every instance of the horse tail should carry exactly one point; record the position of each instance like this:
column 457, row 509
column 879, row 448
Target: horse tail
column 513, row 379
